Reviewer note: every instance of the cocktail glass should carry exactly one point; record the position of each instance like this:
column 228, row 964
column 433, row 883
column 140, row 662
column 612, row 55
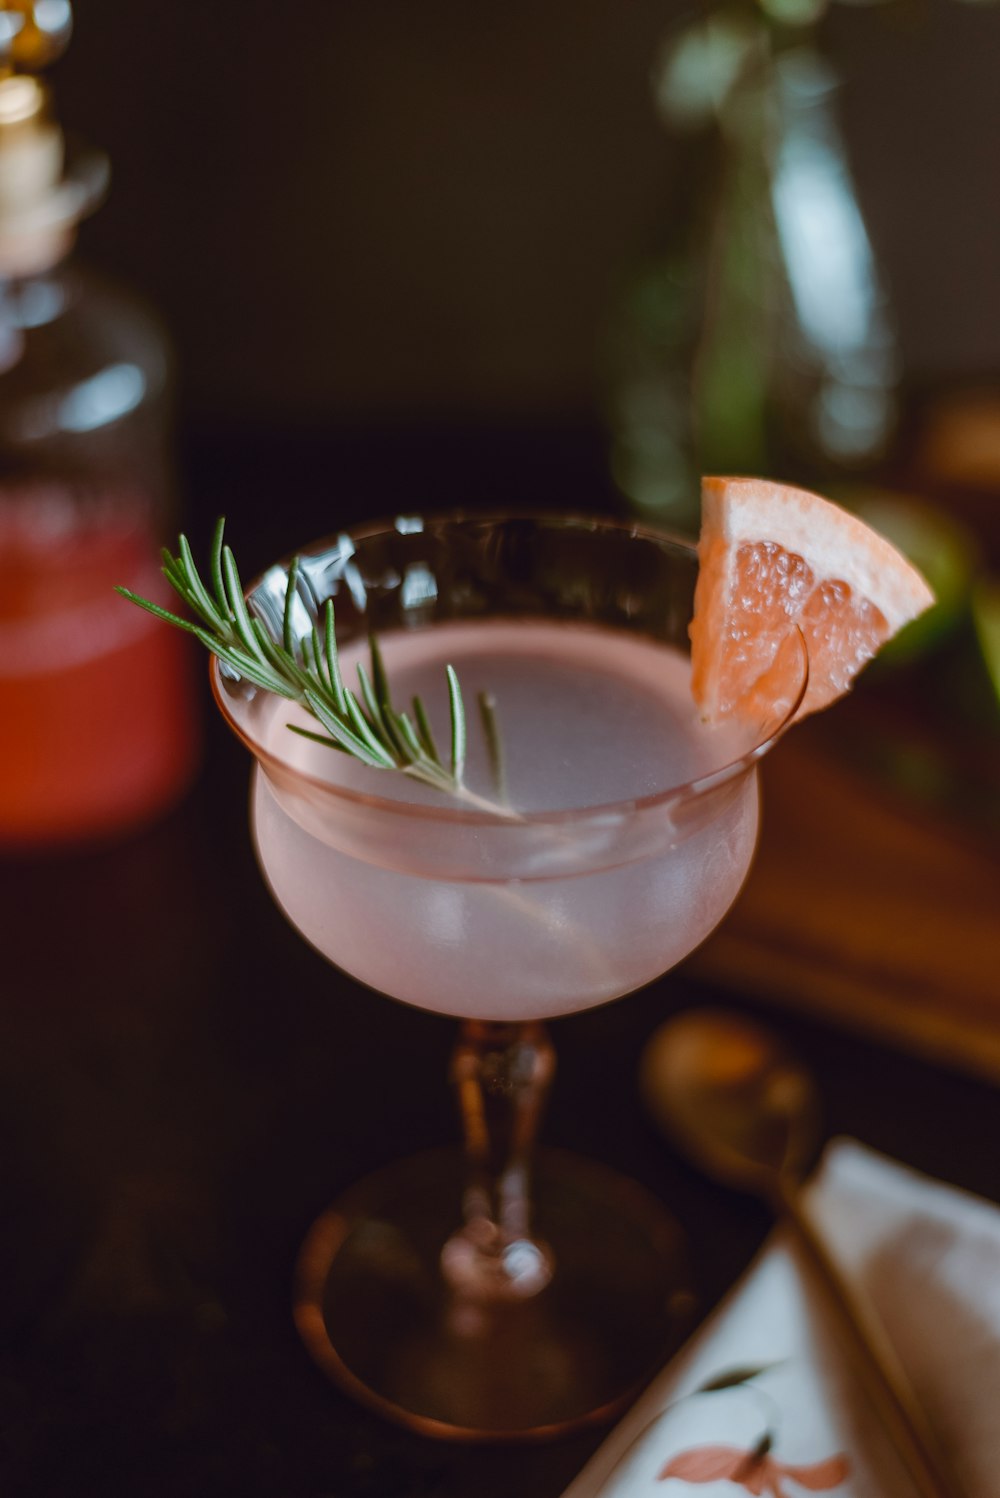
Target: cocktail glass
column 436, row 1291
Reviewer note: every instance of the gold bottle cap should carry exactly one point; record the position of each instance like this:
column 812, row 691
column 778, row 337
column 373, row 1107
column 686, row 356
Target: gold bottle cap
column 41, row 201
column 33, row 33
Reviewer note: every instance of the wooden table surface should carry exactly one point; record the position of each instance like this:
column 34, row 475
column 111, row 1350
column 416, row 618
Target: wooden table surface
column 867, row 909
column 184, row 1084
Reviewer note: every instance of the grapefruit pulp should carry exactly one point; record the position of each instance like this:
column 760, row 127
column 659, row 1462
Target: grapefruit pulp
column 773, row 559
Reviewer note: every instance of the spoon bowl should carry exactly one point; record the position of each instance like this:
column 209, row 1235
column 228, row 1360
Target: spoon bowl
column 727, row 1092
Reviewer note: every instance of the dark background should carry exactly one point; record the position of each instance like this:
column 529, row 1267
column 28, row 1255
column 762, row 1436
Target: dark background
column 353, row 213
column 385, row 238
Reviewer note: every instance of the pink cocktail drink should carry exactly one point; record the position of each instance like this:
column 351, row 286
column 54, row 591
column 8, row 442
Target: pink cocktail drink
column 590, row 718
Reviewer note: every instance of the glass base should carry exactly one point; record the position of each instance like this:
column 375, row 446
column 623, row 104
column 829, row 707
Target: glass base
column 376, row 1314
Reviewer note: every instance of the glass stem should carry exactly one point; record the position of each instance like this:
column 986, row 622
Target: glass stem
column 501, row 1073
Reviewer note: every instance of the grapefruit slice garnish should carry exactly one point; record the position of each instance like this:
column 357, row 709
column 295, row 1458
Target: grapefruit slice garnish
column 774, row 560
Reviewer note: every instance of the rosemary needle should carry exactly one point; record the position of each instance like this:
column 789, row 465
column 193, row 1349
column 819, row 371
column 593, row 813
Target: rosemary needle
column 307, row 670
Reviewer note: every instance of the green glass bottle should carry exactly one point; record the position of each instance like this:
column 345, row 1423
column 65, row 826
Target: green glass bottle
column 759, row 339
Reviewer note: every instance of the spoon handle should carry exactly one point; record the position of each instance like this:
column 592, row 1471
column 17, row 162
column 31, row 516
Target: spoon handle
column 874, row 1359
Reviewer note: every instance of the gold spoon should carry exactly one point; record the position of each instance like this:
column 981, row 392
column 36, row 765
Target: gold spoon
column 728, row 1095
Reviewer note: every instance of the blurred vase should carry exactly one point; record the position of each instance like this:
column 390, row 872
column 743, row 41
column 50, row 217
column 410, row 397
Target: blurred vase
column 760, row 338
column 96, row 719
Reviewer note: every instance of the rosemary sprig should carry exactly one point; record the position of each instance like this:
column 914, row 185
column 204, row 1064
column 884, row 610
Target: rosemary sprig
column 365, row 724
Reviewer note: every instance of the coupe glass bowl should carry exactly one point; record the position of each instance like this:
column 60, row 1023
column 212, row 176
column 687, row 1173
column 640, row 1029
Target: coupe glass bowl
column 437, row 1291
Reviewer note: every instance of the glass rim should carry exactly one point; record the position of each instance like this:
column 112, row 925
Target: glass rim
column 471, row 816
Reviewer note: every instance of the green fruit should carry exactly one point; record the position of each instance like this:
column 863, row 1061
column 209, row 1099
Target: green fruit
column 942, row 548
column 986, row 617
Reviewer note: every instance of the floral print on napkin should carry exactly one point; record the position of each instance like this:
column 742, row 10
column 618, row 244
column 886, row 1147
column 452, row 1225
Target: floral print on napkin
column 756, row 1471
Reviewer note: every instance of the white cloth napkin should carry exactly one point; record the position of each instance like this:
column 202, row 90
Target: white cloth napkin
column 928, row 1257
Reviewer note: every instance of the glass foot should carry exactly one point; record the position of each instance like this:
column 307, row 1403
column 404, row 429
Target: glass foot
column 376, row 1314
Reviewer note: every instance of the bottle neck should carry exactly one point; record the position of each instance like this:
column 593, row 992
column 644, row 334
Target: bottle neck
column 38, row 298
column 29, row 302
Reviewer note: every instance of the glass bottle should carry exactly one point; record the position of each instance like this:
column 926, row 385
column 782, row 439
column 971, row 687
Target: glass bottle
column 760, row 338
column 96, row 719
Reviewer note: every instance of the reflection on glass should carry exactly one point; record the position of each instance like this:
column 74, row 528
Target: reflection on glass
column 841, row 313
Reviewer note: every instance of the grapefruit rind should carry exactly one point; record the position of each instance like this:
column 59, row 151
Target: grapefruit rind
column 839, row 552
